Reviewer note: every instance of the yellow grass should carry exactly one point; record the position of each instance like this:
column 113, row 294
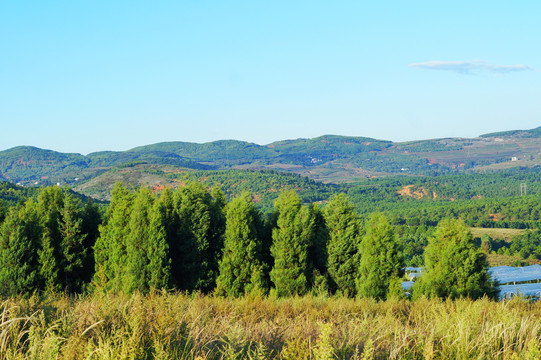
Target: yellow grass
column 177, row 326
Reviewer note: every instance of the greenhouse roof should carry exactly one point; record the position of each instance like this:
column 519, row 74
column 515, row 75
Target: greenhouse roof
column 529, row 290
column 508, row 274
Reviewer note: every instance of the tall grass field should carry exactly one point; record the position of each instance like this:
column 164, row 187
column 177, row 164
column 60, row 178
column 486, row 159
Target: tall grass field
column 179, row 326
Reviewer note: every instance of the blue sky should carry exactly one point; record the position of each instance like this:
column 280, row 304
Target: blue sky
column 84, row 76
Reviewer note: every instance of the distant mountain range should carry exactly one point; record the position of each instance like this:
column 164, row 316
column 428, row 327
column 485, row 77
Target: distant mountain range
column 328, row 158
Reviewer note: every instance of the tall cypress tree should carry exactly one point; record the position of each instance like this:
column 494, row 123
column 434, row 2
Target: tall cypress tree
column 345, row 236
column 292, row 239
column 50, row 204
column 92, row 218
column 381, row 260
column 196, row 249
column 20, row 236
column 241, row 267
column 73, row 252
column 159, row 262
column 110, row 249
column 148, row 265
column 135, row 273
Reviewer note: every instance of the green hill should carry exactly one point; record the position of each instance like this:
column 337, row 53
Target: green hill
column 329, row 158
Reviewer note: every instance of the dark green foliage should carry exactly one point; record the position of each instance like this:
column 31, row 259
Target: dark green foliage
column 414, row 239
column 20, row 236
column 3, row 210
column 92, row 217
column 74, row 255
column 292, row 239
column 318, row 254
column 198, row 244
column 344, row 229
column 52, row 231
column 381, row 260
column 454, row 266
column 241, row 267
column 159, row 262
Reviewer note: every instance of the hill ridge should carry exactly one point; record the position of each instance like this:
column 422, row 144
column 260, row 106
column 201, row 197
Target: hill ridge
column 329, row 158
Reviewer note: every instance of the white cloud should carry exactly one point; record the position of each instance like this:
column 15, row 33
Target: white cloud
column 469, row 66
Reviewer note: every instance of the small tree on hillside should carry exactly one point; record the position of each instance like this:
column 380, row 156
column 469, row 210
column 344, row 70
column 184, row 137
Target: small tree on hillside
column 454, row 266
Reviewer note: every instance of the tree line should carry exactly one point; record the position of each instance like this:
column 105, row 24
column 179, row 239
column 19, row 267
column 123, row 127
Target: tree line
column 193, row 239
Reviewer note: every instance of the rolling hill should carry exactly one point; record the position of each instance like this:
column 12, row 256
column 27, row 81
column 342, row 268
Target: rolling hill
column 329, row 158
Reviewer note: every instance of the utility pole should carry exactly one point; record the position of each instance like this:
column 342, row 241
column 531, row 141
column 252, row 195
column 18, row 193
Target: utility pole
column 523, row 190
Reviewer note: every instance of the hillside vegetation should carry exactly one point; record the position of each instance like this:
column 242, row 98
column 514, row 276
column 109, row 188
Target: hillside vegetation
column 328, row 158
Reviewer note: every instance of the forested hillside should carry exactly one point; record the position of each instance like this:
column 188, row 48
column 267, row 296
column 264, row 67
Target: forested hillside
column 328, row 158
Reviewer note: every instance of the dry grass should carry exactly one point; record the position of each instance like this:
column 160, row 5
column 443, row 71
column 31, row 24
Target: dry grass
column 496, row 233
column 177, row 326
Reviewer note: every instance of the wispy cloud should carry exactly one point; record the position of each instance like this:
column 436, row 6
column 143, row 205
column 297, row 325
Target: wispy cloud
column 469, row 66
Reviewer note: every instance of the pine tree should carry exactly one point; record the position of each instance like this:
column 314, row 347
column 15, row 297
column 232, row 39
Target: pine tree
column 345, row 236
column 381, row 259
column 241, row 268
column 454, row 266
column 20, row 236
column 292, row 239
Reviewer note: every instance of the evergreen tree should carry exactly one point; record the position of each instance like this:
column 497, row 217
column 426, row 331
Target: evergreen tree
column 197, row 246
column 345, row 237
column 292, row 239
column 20, row 236
column 3, row 210
column 50, row 204
column 454, row 266
column 148, row 265
column 381, row 260
column 322, row 283
column 159, row 262
column 110, row 249
column 241, row 267
column 91, row 220
column 73, row 252
column 135, row 273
